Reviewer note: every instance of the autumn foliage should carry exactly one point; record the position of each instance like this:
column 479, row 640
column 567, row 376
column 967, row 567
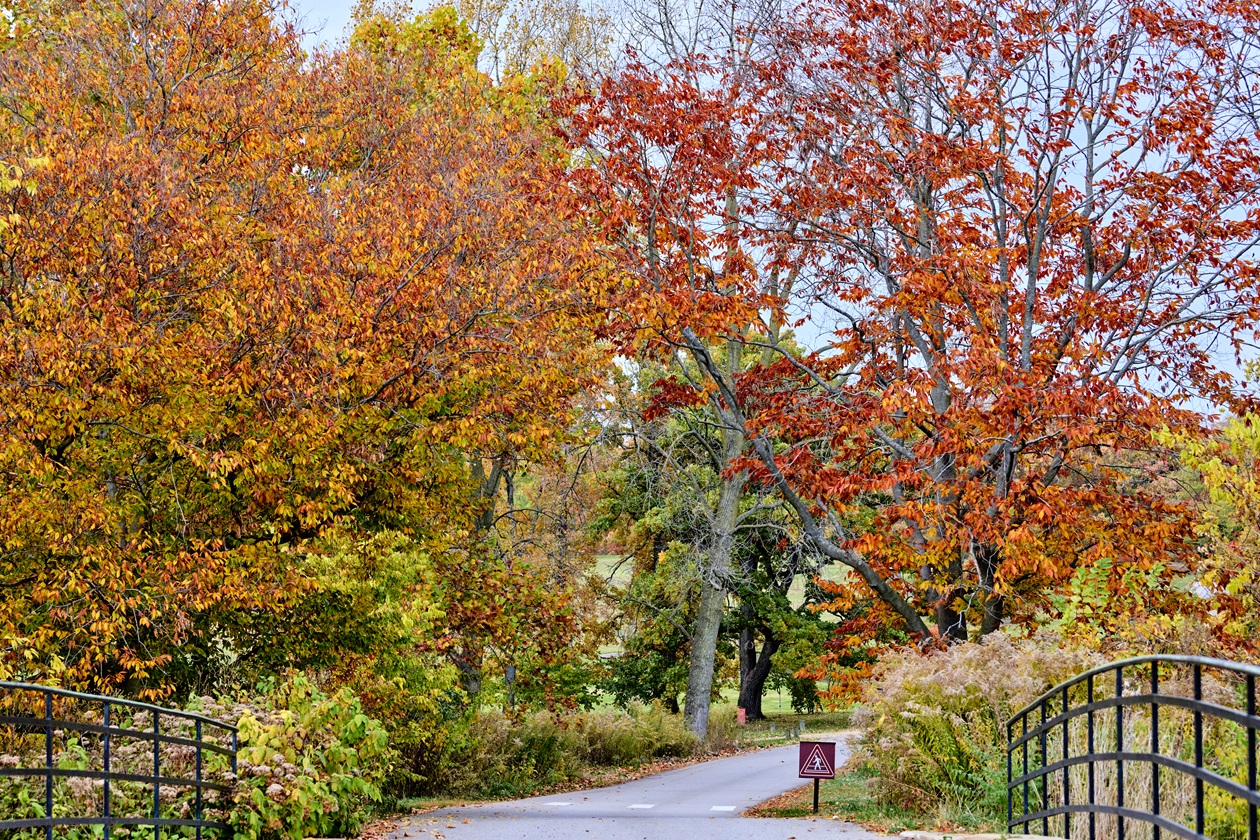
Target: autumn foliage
column 335, row 360
column 250, row 294
column 1014, row 240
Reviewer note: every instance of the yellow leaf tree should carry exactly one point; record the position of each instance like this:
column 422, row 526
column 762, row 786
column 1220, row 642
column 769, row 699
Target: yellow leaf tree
column 255, row 295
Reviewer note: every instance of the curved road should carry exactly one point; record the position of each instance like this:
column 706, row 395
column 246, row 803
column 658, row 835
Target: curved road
column 692, row 803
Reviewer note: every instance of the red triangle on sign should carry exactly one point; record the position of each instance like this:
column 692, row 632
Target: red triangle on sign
column 817, row 764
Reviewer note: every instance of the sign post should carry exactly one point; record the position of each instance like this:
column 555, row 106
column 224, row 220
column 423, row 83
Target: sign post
column 817, row 762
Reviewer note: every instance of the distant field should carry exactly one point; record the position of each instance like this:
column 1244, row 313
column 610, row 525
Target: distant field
column 616, row 568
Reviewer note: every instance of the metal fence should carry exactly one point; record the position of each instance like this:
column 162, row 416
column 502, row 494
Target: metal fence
column 1151, row 745
column 136, row 744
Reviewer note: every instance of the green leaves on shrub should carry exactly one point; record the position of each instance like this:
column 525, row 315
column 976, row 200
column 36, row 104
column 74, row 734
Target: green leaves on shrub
column 308, row 765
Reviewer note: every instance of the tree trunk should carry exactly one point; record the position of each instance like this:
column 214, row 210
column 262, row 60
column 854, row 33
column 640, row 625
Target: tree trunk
column 987, row 560
column 469, row 661
column 754, row 668
column 725, row 515
column 951, row 625
column 469, row 672
column 703, row 658
column 712, row 598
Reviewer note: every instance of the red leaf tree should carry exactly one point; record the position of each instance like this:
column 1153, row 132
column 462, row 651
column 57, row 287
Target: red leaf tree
column 1023, row 235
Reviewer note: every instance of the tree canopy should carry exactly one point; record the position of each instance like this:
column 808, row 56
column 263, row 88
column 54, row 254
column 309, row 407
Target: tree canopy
column 250, row 295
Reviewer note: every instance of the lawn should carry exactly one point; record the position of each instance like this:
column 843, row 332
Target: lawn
column 850, row 797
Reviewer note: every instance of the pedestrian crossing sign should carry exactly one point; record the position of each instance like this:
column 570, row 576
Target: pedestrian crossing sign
column 817, row 760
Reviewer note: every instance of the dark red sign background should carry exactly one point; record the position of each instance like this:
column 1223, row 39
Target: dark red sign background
column 817, row 760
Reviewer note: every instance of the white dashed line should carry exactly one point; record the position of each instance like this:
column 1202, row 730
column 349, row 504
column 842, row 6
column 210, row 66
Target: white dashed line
column 643, row 807
column 557, row 804
column 722, row 808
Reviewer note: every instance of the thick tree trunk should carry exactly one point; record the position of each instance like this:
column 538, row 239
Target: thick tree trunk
column 469, row 672
column 754, row 668
column 469, row 662
column 951, row 625
column 725, row 517
column 703, row 656
column 713, row 596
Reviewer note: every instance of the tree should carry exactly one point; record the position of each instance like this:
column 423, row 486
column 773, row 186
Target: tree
column 662, row 501
column 249, row 298
column 1018, row 230
column 1030, row 222
column 1227, row 466
column 518, row 37
column 768, row 564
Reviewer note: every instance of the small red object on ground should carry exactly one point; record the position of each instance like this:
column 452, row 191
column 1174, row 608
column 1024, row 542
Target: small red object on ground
column 817, row 760
column 742, row 716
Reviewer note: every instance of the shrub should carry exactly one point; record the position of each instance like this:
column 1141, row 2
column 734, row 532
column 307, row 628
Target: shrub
column 935, row 725
column 723, row 729
column 426, row 715
column 308, row 764
column 508, row 758
column 643, row 732
column 504, row 757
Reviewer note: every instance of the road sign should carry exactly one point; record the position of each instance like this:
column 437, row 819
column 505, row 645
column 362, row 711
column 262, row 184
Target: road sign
column 817, row 760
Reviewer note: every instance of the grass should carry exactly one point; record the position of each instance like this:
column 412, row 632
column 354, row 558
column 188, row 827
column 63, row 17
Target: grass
column 785, row 728
column 847, row 797
column 850, row 797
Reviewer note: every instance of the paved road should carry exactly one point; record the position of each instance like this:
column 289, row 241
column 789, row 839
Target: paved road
column 692, row 803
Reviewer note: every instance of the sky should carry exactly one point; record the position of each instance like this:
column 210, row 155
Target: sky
column 326, row 19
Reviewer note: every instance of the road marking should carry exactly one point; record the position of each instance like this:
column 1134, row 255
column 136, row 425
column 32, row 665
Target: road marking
column 722, row 808
column 643, row 807
column 558, row 804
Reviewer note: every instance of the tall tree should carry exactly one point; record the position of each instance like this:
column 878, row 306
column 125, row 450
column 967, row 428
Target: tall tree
column 1019, row 231
column 250, row 296
column 1031, row 223
column 517, row 37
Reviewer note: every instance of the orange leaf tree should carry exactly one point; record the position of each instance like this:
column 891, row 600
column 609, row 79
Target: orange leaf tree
column 1016, row 235
column 250, row 294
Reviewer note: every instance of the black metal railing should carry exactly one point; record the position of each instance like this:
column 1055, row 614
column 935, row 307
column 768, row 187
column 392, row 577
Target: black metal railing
column 108, row 746
column 1147, row 745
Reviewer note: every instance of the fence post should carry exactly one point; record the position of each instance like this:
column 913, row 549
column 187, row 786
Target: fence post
column 1119, row 749
column 1089, row 724
column 105, row 720
column 157, row 773
column 1025, row 737
column 1067, row 787
column 1155, row 830
column 1045, row 782
column 198, row 777
column 1010, row 800
column 48, row 763
column 1198, row 748
column 1252, row 832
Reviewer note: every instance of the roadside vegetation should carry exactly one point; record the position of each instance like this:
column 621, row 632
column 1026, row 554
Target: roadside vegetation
column 500, row 396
